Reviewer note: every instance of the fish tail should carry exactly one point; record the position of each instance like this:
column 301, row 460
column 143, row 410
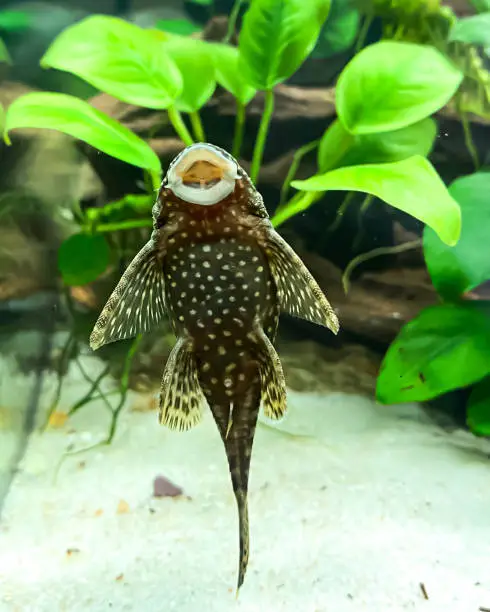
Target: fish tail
column 238, row 443
column 244, row 535
column 238, row 452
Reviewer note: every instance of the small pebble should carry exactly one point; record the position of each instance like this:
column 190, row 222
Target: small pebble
column 162, row 487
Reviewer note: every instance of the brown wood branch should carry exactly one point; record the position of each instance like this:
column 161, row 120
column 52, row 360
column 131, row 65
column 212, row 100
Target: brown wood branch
column 312, row 102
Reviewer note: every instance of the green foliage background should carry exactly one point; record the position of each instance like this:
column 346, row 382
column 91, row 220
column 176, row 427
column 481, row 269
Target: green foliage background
column 386, row 98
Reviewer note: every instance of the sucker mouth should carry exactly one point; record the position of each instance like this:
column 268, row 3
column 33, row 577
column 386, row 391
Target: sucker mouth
column 202, row 175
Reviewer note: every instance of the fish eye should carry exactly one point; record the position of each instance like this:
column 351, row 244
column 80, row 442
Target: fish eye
column 201, row 174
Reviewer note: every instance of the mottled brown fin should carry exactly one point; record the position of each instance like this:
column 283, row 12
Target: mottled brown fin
column 272, row 381
column 181, row 398
column 137, row 303
column 298, row 292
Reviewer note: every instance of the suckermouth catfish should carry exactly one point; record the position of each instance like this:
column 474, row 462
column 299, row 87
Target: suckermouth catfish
column 215, row 265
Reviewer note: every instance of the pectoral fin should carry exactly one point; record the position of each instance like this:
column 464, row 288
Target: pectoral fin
column 137, row 304
column 298, row 292
column 181, row 398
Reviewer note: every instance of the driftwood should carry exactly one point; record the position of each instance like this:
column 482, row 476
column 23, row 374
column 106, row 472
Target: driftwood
column 378, row 303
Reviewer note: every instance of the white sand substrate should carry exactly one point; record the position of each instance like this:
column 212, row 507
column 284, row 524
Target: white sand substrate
column 354, row 511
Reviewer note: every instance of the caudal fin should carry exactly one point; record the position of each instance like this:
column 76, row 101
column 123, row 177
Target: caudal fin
column 238, row 441
column 264, row 380
column 244, row 535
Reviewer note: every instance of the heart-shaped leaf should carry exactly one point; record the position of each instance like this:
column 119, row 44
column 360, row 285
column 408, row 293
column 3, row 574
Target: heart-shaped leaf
column 340, row 148
column 481, row 5
column 82, row 258
column 15, row 20
column 474, row 30
column 226, row 63
column 4, row 54
column 411, row 185
column 194, row 60
column 478, row 408
column 462, row 267
column 118, row 58
column 78, row 119
column 183, row 27
column 340, row 30
column 390, row 85
column 445, row 347
column 277, row 36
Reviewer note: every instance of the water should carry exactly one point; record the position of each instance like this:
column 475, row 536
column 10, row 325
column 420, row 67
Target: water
column 354, row 504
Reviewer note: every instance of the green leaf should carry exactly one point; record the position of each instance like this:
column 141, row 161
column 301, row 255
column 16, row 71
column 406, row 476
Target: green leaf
column 277, row 36
column 118, row 58
column 455, row 270
column 340, row 148
column 390, row 85
column 226, row 63
column 4, row 54
column 182, row 27
column 128, row 207
column 411, row 185
column 335, row 144
column 481, row 5
column 78, row 119
column 445, row 347
column 193, row 59
column 340, row 31
column 12, row 20
column 82, row 258
column 474, row 30
column 2, row 119
column 478, row 409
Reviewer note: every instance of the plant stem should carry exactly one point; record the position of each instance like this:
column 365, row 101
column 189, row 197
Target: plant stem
column 232, row 20
column 179, row 126
column 122, row 225
column 368, row 200
column 197, row 126
column 94, row 386
column 239, row 129
column 64, row 360
column 293, row 168
column 363, row 32
column 155, row 180
column 123, row 387
column 262, row 134
column 296, row 205
column 468, row 139
column 399, row 248
column 346, row 202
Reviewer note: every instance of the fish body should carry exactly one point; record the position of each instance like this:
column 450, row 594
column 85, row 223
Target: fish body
column 218, row 269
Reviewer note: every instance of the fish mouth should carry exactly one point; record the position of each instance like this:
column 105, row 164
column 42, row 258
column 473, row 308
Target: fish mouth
column 201, row 174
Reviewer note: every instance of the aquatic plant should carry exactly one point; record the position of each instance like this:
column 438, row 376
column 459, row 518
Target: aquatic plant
column 447, row 346
column 4, row 57
column 378, row 145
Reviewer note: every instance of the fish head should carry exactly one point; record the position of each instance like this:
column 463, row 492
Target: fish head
column 204, row 181
column 202, row 174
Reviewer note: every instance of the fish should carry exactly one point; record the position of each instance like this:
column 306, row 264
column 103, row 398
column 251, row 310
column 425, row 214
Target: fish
column 218, row 269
